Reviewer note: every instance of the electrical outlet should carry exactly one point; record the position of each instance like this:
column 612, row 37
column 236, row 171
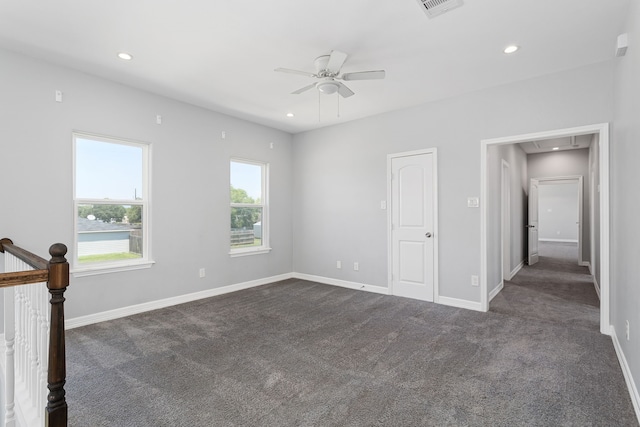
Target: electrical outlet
column 475, row 281
column 626, row 331
column 158, row 119
column 201, row 272
column 58, row 96
column 356, row 266
column 338, row 264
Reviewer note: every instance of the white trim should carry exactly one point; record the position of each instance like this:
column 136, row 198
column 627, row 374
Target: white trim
column 505, row 221
column 496, row 290
column 626, row 371
column 603, row 154
column 585, row 264
column 258, row 251
column 517, row 269
column 342, row 283
column 436, row 236
column 558, row 240
column 103, row 268
column 461, row 303
column 602, row 129
column 168, row 302
column 596, row 286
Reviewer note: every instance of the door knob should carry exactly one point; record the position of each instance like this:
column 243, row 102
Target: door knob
column 427, row 235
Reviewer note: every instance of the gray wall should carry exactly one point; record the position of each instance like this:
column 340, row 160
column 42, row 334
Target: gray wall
column 190, row 181
column 558, row 212
column 340, row 172
column 625, row 152
column 517, row 160
column 564, row 163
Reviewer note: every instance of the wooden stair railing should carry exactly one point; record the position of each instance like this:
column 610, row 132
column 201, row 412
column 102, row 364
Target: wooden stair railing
column 56, row 273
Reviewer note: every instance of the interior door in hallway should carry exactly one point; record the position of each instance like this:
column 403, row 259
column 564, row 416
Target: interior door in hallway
column 533, row 221
column 413, row 234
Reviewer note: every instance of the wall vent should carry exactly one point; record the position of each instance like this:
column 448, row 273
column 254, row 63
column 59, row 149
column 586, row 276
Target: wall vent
column 435, row 8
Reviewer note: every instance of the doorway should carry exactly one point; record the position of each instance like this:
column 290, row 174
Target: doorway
column 413, row 224
column 559, row 205
column 602, row 132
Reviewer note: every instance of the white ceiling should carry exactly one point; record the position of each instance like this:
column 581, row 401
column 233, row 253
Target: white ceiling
column 560, row 144
column 220, row 54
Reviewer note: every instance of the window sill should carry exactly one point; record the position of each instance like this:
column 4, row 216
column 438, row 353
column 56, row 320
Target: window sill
column 249, row 251
column 105, row 268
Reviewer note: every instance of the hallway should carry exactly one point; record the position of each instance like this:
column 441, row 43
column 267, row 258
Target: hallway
column 556, row 289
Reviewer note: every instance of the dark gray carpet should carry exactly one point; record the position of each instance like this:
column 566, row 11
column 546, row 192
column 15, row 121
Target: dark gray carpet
column 297, row 353
column 556, row 290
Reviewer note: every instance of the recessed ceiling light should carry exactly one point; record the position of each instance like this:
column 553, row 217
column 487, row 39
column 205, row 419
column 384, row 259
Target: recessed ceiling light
column 289, row 114
column 125, row 56
column 555, row 148
column 511, row 49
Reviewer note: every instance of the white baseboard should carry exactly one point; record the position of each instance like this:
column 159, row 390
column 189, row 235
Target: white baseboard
column 342, row 283
column 628, row 377
column 558, row 240
column 517, row 269
column 495, row 291
column 460, row 303
column 596, row 286
column 167, row 302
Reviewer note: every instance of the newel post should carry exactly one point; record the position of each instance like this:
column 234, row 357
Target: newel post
column 56, row 412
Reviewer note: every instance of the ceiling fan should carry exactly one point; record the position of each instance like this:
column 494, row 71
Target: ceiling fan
column 328, row 72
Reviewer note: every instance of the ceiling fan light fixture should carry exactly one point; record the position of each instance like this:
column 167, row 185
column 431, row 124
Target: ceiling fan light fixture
column 328, row 87
column 125, row 56
column 511, row 49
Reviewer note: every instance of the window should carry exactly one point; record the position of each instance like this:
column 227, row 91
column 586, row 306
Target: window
column 111, row 204
column 249, row 208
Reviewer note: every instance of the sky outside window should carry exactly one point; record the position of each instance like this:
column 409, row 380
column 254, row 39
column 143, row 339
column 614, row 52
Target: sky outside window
column 247, row 177
column 108, row 171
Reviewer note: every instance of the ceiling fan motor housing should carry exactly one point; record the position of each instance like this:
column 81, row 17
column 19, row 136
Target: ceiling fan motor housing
column 321, row 63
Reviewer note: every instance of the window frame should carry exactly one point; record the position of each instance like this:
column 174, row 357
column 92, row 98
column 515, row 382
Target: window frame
column 264, row 204
column 146, row 261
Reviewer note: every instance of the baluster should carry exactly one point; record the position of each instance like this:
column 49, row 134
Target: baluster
column 9, row 342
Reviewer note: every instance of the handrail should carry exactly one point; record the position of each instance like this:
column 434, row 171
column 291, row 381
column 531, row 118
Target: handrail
column 33, row 260
column 56, row 273
column 40, row 274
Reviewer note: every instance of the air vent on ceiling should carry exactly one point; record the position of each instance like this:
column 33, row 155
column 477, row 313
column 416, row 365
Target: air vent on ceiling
column 435, row 8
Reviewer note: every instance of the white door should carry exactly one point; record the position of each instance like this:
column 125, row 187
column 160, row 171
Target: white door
column 533, row 221
column 412, row 233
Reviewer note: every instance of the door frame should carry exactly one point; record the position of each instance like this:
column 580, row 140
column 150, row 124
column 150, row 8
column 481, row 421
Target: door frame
column 578, row 179
column 389, row 207
column 505, row 216
column 602, row 129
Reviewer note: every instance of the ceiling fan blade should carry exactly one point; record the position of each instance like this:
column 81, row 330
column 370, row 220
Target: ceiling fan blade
column 364, row 75
column 304, row 89
column 344, row 91
column 301, row 73
column 336, row 59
